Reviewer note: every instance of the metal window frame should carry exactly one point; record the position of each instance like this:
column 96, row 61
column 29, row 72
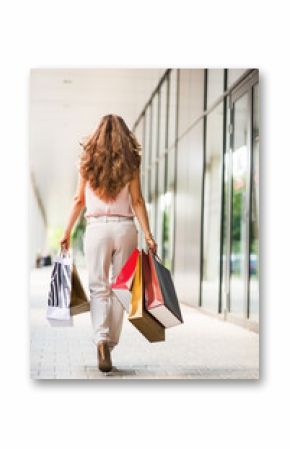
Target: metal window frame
column 245, row 88
column 150, row 98
column 256, row 85
column 219, row 298
column 245, row 246
column 202, row 187
column 251, row 182
column 229, row 210
column 249, row 199
column 175, row 170
column 221, row 274
column 143, row 162
column 150, row 153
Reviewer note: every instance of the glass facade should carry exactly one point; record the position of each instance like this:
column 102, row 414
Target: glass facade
column 212, row 209
column 240, row 168
column 254, row 226
column 200, row 180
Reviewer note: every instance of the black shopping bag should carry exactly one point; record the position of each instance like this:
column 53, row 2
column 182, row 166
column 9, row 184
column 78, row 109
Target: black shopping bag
column 165, row 308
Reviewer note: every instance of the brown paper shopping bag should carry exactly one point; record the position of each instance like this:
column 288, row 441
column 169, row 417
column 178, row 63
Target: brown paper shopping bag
column 138, row 315
column 79, row 302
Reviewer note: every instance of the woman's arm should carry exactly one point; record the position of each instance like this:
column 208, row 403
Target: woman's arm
column 77, row 207
column 139, row 207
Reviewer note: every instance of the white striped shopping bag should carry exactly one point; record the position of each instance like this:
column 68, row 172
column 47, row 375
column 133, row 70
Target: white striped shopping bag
column 59, row 296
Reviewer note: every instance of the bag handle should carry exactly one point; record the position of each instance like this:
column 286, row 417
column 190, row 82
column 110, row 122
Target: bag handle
column 155, row 254
column 63, row 252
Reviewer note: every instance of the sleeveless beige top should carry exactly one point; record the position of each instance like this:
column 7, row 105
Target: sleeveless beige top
column 95, row 206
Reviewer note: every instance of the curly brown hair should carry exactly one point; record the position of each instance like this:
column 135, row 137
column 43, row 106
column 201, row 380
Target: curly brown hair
column 110, row 157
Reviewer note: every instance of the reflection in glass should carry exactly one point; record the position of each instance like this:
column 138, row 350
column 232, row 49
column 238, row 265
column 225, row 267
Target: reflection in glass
column 238, row 220
column 254, row 229
column 212, row 209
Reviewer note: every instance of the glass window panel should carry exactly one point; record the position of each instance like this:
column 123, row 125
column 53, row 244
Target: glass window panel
column 234, row 75
column 240, row 168
column 168, row 213
column 187, row 214
column 153, row 222
column 153, row 180
column 163, row 116
column 161, row 175
column 254, row 230
column 142, row 136
column 160, row 203
column 154, row 127
column 172, row 107
column 170, row 169
column 139, row 131
column 212, row 209
column 153, row 198
column 146, row 151
column 226, row 217
column 191, row 97
column 215, row 85
column 154, row 146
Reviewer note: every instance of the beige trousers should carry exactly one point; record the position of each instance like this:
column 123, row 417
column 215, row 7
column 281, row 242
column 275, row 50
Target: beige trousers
column 107, row 246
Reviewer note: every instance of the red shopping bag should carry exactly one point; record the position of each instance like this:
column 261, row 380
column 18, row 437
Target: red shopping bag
column 152, row 291
column 123, row 283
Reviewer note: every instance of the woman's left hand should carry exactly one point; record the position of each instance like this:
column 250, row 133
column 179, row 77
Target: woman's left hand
column 65, row 241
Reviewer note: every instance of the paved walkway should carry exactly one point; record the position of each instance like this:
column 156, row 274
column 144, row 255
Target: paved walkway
column 201, row 348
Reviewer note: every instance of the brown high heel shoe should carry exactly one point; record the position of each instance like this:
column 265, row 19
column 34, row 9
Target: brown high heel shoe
column 104, row 357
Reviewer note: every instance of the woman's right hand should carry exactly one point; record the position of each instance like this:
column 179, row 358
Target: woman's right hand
column 151, row 244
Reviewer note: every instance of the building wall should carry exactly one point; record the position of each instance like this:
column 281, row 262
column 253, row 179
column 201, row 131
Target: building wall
column 186, row 164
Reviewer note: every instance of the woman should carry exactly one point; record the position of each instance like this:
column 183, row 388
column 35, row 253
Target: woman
column 109, row 188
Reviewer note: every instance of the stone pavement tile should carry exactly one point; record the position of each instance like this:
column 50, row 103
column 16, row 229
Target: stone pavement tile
column 47, row 373
column 79, row 373
column 63, row 374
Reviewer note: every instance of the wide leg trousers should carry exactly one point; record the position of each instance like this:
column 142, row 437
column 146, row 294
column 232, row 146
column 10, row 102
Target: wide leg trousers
column 107, row 246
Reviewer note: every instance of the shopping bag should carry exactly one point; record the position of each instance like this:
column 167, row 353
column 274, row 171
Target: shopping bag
column 66, row 295
column 151, row 328
column 79, row 302
column 160, row 295
column 58, row 308
column 123, row 283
